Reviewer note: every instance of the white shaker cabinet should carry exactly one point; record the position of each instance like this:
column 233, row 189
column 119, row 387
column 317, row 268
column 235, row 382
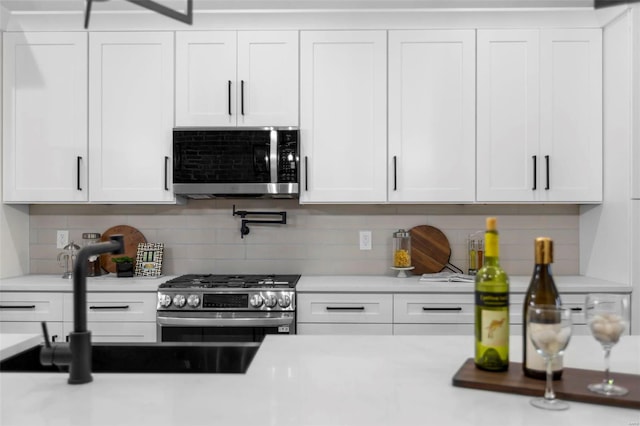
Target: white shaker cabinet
column 343, row 116
column 432, row 116
column 237, row 78
column 116, row 317
column 45, row 117
column 130, row 116
column 539, row 130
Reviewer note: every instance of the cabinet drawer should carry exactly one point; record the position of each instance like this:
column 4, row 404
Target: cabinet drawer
column 573, row 301
column 345, row 308
column 30, row 306
column 433, row 308
column 113, row 332
column 116, row 307
column 345, row 329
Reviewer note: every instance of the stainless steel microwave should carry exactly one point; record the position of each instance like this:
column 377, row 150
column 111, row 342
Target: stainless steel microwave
column 236, row 163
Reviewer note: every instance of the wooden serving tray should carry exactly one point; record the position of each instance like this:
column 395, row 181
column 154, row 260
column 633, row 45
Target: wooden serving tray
column 572, row 386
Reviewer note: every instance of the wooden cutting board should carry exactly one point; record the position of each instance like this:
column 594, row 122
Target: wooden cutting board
column 430, row 249
column 572, row 386
column 132, row 237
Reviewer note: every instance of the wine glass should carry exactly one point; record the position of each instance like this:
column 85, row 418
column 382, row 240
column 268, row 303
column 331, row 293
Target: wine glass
column 607, row 316
column 549, row 329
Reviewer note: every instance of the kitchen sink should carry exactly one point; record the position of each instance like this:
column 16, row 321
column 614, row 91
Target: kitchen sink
column 150, row 358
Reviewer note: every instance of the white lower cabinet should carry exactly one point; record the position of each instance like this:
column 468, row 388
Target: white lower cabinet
column 22, row 312
column 345, row 313
column 116, row 317
column 409, row 313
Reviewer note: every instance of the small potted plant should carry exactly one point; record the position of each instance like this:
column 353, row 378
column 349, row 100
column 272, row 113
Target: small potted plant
column 124, row 266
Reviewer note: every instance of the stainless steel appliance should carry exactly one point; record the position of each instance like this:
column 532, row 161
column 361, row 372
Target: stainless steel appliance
column 226, row 308
column 260, row 163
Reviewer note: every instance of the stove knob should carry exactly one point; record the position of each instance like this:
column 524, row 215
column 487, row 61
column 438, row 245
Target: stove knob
column 271, row 301
column 179, row 300
column 284, row 301
column 256, row 301
column 164, row 300
column 193, row 300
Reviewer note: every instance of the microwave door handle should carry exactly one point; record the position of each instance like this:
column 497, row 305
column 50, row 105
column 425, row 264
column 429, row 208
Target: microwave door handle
column 273, row 156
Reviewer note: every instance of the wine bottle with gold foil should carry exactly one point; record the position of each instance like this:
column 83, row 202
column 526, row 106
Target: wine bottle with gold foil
column 491, row 307
column 542, row 291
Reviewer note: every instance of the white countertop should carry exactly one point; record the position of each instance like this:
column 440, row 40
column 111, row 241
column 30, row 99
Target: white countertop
column 313, row 283
column 313, row 380
column 392, row 284
column 108, row 282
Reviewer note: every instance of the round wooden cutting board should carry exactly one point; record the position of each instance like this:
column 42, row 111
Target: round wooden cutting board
column 131, row 239
column 430, row 249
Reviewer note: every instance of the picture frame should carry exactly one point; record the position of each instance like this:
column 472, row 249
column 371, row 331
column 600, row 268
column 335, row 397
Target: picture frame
column 149, row 260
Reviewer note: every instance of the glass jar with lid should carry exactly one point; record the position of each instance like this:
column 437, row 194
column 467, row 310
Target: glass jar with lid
column 401, row 249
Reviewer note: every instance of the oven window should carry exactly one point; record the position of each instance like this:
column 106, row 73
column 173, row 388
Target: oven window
column 216, row 334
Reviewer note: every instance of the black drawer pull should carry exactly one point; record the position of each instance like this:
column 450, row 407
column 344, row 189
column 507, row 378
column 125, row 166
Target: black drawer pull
column 17, row 306
column 576, row 309
column 345, row 308
column 457, row 309
column 109, row 307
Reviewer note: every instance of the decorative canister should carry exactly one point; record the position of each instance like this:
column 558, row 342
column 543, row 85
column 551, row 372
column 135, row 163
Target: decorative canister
column 401, row 249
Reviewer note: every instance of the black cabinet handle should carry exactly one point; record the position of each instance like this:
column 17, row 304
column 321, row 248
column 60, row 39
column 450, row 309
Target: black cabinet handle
column 78, row 163
column 546, row 160
column 345, row 308
column 395, row 175
column 229, row 96
column 535, row 172
column 306, row 173
column 576, row 309
column 166, row 173
column 112, row 307
column 457, row 309
column 242, row 97
column 17, row 306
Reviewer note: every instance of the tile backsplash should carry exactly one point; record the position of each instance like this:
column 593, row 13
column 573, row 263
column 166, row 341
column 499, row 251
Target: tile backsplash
column 204, row 236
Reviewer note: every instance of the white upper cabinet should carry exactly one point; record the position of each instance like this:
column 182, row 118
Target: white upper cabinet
column 243, row 78
column 571, row 114
column 539, row 129
column 508, row 115
column 45, row 117
column 343, row 116
column 432, row 116
column 130, row 116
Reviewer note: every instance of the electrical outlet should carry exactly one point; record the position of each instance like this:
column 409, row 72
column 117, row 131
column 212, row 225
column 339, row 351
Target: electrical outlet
column 62, row 239
column 365, row 240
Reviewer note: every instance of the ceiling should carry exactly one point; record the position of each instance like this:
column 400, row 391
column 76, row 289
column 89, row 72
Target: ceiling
column 27, row 6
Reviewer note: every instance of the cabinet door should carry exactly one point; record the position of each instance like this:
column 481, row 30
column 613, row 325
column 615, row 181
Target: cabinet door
column 343, row 116
column 432, row 116
column 130, row 116
column 45, row 117
column 508, row 115
column 267, row 85
column 206, row 78
column 571, row 115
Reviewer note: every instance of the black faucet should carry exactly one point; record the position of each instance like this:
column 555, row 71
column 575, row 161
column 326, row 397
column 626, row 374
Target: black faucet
column 77, row 353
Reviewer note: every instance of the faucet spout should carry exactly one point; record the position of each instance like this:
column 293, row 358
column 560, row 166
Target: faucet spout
column 77, row 353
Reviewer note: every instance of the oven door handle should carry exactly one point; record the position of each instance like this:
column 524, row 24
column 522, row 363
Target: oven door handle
column 223, row 322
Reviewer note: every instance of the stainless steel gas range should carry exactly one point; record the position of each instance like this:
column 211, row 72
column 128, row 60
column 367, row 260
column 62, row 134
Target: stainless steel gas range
column 226, row 308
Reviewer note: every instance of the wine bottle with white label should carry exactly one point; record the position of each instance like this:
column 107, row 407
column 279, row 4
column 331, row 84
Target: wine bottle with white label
column 491, row 307
column 542, row 291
